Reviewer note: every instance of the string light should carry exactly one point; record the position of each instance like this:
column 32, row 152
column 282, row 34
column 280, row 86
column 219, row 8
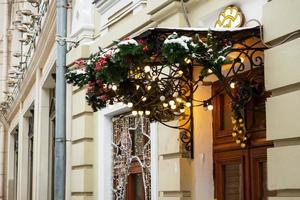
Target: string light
column 147, row 112
column 114, row 87
column 232, row 85
column 175, row 94
column 173, row 107
column 134, row 112
column 162, row 98
column 210, row 107
column 172, row 103
column 188, row 104
column 141, row 113
column 149, row 87
column 182, row 110
column 137, row 87
column 209, row 71
column 130, row 105
column 180, row 72
column 165, row 105
column 187, row 60
column 178, row 99
column 144, row 98
column 147, row 69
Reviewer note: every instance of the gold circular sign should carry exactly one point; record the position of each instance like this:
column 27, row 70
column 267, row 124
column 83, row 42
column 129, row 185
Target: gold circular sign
column 230, row 17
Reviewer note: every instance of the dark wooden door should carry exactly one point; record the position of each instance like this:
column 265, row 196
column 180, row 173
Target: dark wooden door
column 135, row 185
column 239, row 174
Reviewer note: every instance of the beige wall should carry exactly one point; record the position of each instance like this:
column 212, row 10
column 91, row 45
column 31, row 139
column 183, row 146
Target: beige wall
column 282, row 74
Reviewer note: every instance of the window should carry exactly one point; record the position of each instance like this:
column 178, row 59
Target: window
column 15, row 135
column 131, row 158
column 30, row 152
column 51, row 145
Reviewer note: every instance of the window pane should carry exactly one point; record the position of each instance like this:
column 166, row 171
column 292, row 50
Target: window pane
column 226, row 122
column 233, row 182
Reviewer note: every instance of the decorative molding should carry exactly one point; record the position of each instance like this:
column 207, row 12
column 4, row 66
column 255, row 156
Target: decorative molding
column 112, row 11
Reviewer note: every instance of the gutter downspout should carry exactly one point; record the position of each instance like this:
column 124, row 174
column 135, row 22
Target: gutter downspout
column 60, row 104
column 4, row 88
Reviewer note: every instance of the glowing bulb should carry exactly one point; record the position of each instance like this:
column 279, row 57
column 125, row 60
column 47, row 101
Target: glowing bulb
column 242, row 59
column 243, row 145
column 147, row 69
column 114, row 87
column 232, row 85
column 187, row 60
column 173, row 107
column 178, row 99
column 209, row 71
column 144, row 98
column 147, row 112
column 238, row 141
column 182, row 110
column 162, row 98
column 210, row 107
column 180, row 72
column 172, row 103
column 137, row 87
column 175, row 94
column 141, row 113
column 130, row 105
column 134, row 113
column 165, row 105
column 149, row 87
column 188, row 104
column 233, row 134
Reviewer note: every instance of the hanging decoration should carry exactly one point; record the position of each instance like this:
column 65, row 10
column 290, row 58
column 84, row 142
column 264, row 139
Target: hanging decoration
column 153, row 75
column 131, row 145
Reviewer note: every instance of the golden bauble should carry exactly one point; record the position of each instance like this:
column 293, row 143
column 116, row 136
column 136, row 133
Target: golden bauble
column 243, row 145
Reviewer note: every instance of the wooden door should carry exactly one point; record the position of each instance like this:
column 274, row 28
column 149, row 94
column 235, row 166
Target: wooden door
column 239, row 174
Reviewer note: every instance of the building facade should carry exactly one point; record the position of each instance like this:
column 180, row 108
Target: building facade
column 219, row 169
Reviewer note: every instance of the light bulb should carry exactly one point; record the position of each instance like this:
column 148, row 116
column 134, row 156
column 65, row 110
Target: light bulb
column 172, row 103
column 187, row 60
column 175, row 94
column 147, row 69
column 114, row 87
column 242, row 59
column 188, row 104
column 141, row 113
column 173, row 107
column 178, row 99
column 180, row 72
column 232, row 85
column 147, row 112
column 162, row 98
column 165, row 105
column 130, row 105
column 210, row 107
column 144, row 98
column 137, row 87
column 149, row 87
column 134, row 113
column 209, row 71
column 182, row 110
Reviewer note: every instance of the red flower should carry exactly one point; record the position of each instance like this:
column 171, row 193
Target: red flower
column 100, row 63
column 145, row 49
column 80, row 63
column 104, row 97
column 141, row 41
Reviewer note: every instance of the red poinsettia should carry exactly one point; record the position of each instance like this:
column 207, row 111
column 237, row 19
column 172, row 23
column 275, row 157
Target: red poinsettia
column 80, row 63
column 100, row 63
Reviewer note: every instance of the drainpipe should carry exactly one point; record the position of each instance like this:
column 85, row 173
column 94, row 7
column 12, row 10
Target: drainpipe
column 4, row 88
column 60, row 104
